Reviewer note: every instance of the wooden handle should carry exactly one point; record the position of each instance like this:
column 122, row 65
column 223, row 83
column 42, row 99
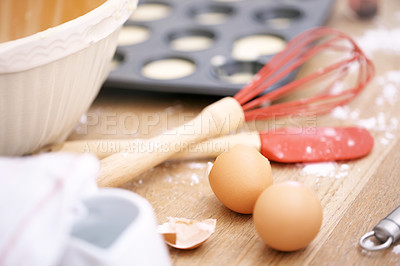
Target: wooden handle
column 217, row 119
column 214, row 147
column 207, row 149
column 101, row 148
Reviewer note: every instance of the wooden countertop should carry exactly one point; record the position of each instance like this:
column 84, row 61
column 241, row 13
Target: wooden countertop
column 355, row 195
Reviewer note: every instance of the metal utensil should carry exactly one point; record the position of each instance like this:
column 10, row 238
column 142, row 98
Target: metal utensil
column 387, row 231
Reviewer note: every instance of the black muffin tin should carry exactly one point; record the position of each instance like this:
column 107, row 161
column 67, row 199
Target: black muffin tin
column 245, row 18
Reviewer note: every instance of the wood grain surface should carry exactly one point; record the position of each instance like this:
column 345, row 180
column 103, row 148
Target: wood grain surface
column 355, row 195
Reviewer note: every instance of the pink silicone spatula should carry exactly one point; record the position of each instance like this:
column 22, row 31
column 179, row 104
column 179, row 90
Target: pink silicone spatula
column 318, row 144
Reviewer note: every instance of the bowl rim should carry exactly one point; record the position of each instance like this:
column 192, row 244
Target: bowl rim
column 65, row 39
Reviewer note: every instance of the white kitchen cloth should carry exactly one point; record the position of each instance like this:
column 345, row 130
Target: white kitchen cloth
column 39, row 201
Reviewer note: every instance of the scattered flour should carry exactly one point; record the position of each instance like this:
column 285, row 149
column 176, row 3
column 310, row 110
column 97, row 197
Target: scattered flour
column 383, row 123
column 344, row 113
column 380, row 39
column 390, row 85
column 83, row 119
column 368, row 243
column 325, row 169
column 194, row 173
column 384, row 141
column 81, row 126
column 199, row 171
column 396, row 249
column 196, row 165
column 194, row 179
column 175, row 108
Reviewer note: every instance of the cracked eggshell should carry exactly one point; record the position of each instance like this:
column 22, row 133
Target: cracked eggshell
column 182, row 233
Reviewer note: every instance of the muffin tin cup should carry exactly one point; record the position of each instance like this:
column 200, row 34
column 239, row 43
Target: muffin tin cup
column 214, row 64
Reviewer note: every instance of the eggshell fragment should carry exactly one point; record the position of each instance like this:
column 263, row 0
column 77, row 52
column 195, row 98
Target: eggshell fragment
column 184, row 233
column 238, row 177
column 287, row 216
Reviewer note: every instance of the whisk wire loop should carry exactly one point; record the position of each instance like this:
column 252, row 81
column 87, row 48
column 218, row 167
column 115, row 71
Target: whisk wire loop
column 298, row 51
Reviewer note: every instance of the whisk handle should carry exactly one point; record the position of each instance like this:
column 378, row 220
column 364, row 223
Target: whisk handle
column 217, row 119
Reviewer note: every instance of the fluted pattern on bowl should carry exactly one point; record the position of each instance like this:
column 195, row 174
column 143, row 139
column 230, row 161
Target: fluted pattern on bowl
column 41, row 105
column 49, row 79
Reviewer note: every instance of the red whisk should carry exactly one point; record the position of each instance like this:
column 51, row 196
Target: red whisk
column 227, row 114
column 297, row 52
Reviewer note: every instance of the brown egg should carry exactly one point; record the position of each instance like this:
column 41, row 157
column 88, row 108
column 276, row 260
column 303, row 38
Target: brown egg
column 287, row 216
column 238, row 177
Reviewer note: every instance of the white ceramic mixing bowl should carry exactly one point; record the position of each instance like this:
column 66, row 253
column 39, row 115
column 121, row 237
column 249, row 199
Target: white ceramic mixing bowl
column 48, row 79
